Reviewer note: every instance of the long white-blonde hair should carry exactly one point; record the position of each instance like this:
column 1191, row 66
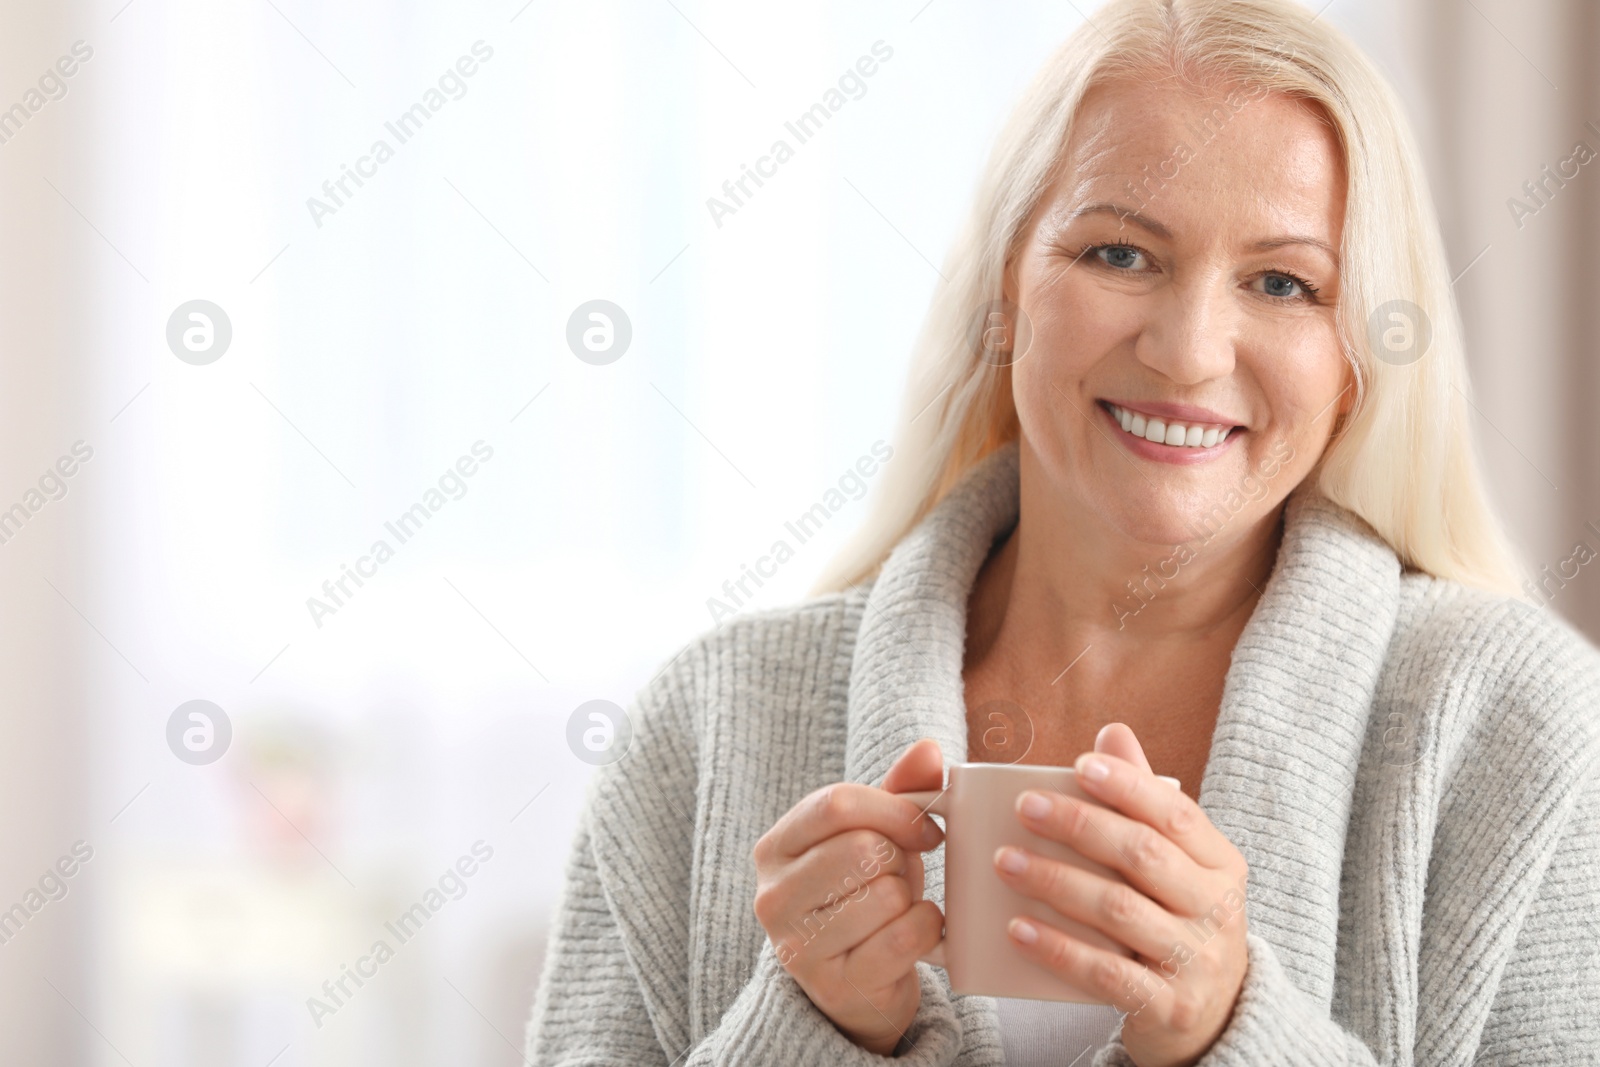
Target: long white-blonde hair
column 1402, row 458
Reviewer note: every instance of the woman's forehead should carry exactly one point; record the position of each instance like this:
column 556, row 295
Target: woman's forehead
column 1163, row 151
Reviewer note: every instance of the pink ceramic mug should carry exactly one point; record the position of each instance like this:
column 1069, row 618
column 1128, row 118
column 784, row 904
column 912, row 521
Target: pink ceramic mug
column 979, row 806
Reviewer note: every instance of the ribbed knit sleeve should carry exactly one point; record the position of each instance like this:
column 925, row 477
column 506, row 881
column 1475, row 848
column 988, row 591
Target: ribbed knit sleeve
column 774, row 1022
column 1273, row 1022
column 588, row 1010
column 614, row 984
column 1527, row 796
column 1547, row 1004
column 616, row 980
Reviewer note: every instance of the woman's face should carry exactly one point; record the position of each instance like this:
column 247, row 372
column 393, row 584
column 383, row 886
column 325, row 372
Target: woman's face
column 1181, row 276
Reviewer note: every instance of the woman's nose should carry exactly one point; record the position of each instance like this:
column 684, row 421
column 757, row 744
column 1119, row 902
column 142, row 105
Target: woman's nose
column 1190, row 333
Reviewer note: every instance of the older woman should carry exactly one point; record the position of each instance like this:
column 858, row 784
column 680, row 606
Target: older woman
column 1184, row 487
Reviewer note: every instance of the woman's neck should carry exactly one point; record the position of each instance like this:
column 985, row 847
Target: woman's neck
column 1063, row 581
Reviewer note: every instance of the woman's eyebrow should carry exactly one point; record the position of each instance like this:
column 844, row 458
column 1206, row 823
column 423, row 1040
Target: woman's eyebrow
column 1123, row 214
column 1267, row 244
column 1318, row 243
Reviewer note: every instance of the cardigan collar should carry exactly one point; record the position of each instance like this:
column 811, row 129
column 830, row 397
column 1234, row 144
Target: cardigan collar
column 1301, row 680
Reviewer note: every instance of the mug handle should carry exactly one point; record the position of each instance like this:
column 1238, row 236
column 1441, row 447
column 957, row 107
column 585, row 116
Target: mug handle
column 931, row 801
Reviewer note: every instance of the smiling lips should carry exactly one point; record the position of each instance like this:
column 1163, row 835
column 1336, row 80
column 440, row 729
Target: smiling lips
column 1171, row 433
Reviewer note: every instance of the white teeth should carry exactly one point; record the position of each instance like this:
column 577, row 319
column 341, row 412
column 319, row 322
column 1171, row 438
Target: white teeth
column 1175, row 434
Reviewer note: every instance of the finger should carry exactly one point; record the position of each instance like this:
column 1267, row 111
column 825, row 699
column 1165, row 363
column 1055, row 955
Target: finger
column 843, row 806
column 1145, row 859
column 919, row 767
column 1116, row 909
column 1126, row 984
column 1118, row 739
column 840, row 866
column 914, row 874
column 1137, row 793
column 897, row 946
column 839, row 924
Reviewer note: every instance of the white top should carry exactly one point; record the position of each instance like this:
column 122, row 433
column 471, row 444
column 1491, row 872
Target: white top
column 1048, row 1033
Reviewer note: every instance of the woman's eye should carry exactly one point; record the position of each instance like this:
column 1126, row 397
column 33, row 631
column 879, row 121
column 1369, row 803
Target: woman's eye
column 1123, row 257
column 1273, row 284
column 1281, row 285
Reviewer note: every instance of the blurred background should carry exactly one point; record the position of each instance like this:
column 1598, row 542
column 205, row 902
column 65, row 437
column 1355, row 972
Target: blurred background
column 241, row 344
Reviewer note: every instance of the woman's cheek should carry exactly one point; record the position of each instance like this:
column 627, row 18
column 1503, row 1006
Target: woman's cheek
column 1040, row 409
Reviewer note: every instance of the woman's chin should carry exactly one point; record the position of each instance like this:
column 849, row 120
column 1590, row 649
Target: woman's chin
column 1182, row 523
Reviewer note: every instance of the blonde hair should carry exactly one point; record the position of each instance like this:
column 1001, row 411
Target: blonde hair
column 1402, row 458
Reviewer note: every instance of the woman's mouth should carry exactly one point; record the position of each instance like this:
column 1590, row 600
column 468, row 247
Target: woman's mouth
column 1169, row 439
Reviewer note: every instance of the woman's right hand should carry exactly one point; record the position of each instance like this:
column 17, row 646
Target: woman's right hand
column 839, row 892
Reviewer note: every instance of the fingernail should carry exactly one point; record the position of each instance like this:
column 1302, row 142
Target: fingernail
column 1094, row 768
column 1023, row 931
column 930, row 831
column 1011, row 860
column 1034, row 805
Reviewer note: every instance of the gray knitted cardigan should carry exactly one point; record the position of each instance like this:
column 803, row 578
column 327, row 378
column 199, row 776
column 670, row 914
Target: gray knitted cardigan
column 1409, row 767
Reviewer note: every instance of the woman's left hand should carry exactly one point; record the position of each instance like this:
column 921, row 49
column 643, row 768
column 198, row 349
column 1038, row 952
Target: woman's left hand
column 1181, row 912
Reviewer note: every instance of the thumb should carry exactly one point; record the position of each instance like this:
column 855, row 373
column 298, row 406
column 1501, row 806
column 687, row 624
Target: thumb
column 919, row 767
column 1117, row 739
